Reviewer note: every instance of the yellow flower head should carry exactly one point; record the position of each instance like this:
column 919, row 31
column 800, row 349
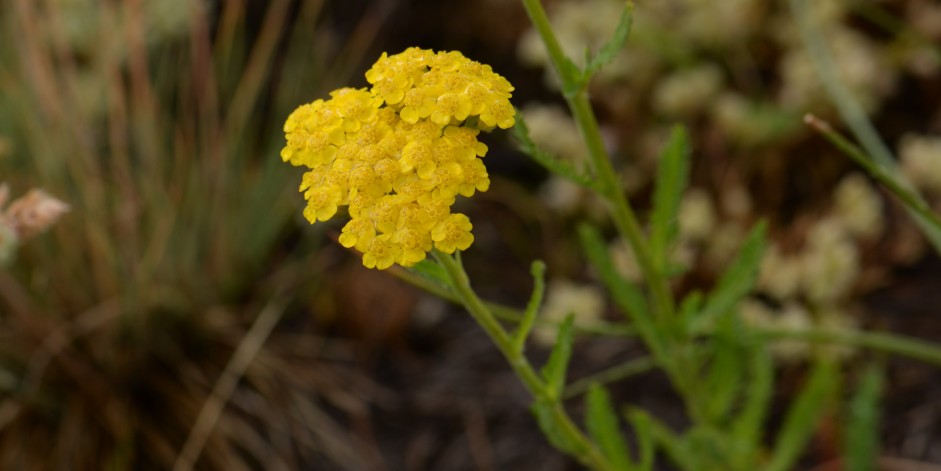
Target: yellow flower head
column 398, row 154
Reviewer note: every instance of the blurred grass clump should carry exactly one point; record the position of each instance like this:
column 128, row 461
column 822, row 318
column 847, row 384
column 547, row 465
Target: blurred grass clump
column 157, row 122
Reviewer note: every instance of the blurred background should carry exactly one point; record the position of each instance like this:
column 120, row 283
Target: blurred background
column 183, row 314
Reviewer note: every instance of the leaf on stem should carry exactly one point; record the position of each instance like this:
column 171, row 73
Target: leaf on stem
column 724, row 382
column 627, row 296
column 538, row 270
column 555, row 369
column 602, row 424
column 645, row 442
column 672, row 178
column 736, row 282
column 651, row 430
column 862, row 431
column 746, row 430
column 610, row 50
column 550, row 162
column 804, row 414
column 547, row 424
column 431, row 270
column 689, row 308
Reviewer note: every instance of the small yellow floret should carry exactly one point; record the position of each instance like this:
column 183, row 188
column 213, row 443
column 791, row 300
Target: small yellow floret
column 453, row 233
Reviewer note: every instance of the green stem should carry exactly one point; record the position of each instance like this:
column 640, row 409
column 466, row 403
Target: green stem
column 624, row 217
column 878, row 341
column 910, row 199
column 877, row 152
column 486, row 319
column 582, row 448
column 889, row 343
column 610, row 375
column 506, row 313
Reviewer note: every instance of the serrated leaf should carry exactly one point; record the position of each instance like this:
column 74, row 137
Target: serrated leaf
column 802, row 417
column 610, row 50
column 431, row 270
column 736, row 282
column 550, row 162
column 672, row 178
column 602, row 423
column 862, row 430
column 555, row 369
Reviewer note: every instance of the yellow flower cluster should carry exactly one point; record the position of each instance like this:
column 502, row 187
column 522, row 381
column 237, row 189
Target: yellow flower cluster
column 399, row 153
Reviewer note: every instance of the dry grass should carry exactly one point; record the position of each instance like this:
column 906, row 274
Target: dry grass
column 116, row 327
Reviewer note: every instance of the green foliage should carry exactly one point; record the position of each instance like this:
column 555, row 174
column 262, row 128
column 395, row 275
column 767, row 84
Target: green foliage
column 538, row 271
column 672, row 178
column 675, row 447
column 431, row 270
column 627, row 296
column 725, row 377
column 612, row 48
column 602, row 424
column 543, row 411
column 747, row 429
column 645, row 441
column 553, row 373
column 552, row 163
column 736, row 282
column 804, row 415
column 861, row 445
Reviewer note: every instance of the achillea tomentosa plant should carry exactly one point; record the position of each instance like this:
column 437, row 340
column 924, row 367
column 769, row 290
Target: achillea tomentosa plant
column 398, row 154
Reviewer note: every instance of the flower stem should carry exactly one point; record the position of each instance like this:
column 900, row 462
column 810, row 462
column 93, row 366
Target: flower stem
column 581, row 447
column 622, row 213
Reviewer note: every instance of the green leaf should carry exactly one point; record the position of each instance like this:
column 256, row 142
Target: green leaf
column 430, row 269
column 572, row 78
column 538, row 270
column 610, row 50
column 645, row 442
column 725, row 377
column 689, row 309
column 547, row 424
column 675, row 447
column 550, row 162
column 736, row 282
column 746, row 430
column 627, row 296
column 862, row 431
column 555, row 369
column 602, row 423
column 672, row 177
column 803, row 415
